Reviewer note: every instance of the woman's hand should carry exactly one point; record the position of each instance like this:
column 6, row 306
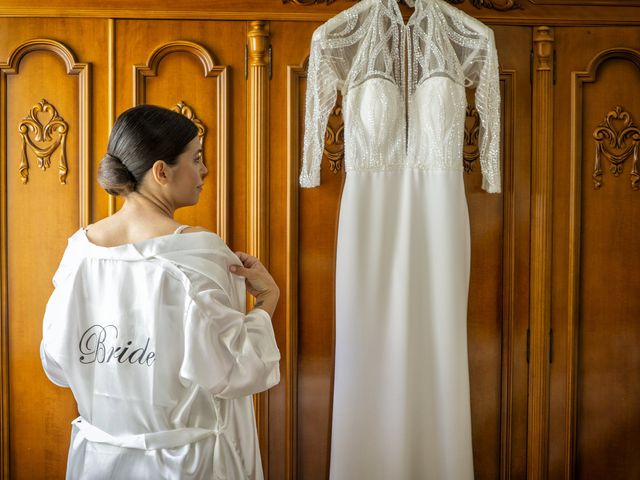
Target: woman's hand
column 259, row 282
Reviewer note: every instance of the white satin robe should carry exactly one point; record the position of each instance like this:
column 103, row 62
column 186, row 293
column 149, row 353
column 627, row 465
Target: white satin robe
column 153, row 341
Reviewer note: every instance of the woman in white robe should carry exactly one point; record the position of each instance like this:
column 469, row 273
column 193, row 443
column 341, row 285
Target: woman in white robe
column 147, row 323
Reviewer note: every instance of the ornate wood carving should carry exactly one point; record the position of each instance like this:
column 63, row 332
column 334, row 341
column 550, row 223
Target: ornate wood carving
column 73, row 67
column 210, row 69
column 501, row 5
column 184, row 109
column 43, row 136
column 540, row 273
column 334, row 139
column 471, row 152
column 617, row 138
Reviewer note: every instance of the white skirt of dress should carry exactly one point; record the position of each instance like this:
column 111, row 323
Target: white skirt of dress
column 401, row 407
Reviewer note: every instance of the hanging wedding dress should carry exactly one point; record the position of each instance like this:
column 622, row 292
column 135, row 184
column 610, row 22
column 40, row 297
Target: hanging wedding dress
column 401, row 407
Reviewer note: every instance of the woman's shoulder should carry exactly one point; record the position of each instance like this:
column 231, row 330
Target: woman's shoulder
column 115, row 230
column 193, row 229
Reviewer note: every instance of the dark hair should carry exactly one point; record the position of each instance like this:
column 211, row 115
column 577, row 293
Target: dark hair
column 141, row 136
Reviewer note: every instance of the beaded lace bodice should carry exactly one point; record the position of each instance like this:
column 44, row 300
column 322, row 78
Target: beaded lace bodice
column 403, row 89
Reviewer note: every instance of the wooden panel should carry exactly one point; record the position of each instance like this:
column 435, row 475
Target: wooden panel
column 513, row 12
column 498, row 309
column 497, row 314
column 595, row 394
column 42, row 212
column 306, row 227
column 154, row 63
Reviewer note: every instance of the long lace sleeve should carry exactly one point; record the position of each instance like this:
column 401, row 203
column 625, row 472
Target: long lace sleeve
column 322, row 83
column 479, row 59
column 488, row 106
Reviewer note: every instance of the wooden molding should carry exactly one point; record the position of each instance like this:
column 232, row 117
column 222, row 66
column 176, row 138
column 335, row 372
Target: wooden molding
column 258, row 182
column 578, row 79
column 111, row 79
column 526, row 12
column 508, row 77
column 5, row 450
column 294, row 75
column 11, row 67
column 608, row 3
column 541, row 243
column 495, row 4
column 221, row 74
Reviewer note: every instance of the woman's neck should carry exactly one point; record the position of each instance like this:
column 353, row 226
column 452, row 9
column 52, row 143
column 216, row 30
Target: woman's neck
column 148, row 204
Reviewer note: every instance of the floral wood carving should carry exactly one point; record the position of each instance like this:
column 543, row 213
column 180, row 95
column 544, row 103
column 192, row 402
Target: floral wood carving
column 184, row 109
column 43, row 131
column 617, row 139
column 470, row 151
column 501, row 5
column 334, row 139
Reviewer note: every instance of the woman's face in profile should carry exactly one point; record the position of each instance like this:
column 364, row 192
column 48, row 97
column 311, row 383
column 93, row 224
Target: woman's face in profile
column 188, row 175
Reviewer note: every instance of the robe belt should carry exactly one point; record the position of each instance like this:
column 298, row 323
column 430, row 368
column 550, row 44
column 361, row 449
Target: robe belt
column 145, row 441
column 170, row 439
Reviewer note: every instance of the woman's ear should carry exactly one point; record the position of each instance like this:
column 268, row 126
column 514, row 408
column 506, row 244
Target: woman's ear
column 161, row 172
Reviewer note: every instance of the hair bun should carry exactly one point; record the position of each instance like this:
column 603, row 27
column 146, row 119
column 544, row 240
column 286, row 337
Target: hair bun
column 112, row 157
column 115, row 177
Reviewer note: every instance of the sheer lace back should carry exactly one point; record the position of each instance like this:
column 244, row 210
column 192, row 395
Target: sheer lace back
column 403, row 88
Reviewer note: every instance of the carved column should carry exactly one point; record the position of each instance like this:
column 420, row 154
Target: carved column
column 541, row 224
column 258, row 182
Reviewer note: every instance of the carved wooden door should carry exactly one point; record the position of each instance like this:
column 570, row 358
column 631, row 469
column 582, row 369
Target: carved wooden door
column 303, row 235
column 594, row 389
column 47, row 92
column 59, row 95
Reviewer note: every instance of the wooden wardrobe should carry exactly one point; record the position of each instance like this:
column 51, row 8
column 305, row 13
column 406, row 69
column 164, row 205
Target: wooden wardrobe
column 554, row 303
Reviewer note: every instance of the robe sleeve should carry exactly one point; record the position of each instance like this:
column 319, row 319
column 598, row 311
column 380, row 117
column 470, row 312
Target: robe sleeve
column 50, row 338
column 50, row 330
column 52, row 369
column 322, row 85
column 482, row 72
column 227, row 352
